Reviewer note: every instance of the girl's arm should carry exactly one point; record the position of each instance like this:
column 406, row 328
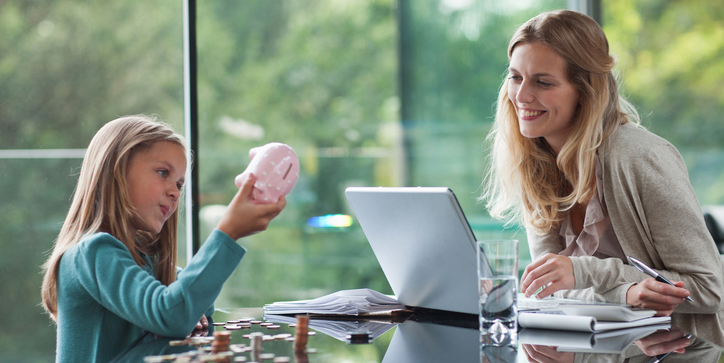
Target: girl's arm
column 105, row 269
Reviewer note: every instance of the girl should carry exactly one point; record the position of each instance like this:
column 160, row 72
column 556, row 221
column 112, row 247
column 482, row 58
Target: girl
column 593, row 187
column 112, row 275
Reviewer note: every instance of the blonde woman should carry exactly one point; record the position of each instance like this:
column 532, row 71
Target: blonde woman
column 592, row 187
column 112, row 277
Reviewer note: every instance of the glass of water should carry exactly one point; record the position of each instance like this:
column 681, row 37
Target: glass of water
column 498, row 287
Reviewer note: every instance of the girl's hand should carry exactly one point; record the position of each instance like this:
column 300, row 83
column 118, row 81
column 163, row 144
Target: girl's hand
column 203, row 323
column 243, row 218
column 553, row 272
column 651, row 294
column 201, row 329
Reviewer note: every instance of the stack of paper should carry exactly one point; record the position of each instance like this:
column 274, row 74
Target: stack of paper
column 345, row 302
column 613, row 341
column 339, row 329
column 581, row 323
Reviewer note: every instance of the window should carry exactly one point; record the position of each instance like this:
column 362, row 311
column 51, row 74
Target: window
column 66, row 69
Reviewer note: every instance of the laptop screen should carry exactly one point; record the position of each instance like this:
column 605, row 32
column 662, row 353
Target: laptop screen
column 423, row 243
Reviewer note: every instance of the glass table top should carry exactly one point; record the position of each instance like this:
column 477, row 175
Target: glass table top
column 417, row 339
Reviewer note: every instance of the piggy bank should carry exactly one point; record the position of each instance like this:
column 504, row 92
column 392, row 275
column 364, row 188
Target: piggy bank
column 276, row 168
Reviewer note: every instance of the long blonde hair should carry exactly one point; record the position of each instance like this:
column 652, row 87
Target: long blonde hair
column 101, row 202
column 526, row 180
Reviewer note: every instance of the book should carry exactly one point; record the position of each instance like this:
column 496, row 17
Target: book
column 561, row 321
column 606, row 312
column 345, row 302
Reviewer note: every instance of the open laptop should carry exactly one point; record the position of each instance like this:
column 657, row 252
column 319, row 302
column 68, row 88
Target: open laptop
column 423, row 243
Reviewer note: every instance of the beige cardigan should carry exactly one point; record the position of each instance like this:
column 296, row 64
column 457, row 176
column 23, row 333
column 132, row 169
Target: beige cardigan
column 657, row 219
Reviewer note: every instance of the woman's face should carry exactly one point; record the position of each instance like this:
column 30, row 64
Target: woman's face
column 545, row 101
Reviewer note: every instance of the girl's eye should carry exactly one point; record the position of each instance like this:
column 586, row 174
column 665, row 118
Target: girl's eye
column 514, row 78
column 163, row 173
column 179, row 186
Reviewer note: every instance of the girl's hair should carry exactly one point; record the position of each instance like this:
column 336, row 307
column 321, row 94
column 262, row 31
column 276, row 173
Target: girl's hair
column 101, row 202
column 526, row 180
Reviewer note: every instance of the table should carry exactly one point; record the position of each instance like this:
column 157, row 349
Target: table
column 421, row 338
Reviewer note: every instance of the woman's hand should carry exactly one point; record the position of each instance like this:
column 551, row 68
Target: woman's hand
column 542, row 353
column 243, row 218
column 554, row 272
column 651, row 294
column 664, row 341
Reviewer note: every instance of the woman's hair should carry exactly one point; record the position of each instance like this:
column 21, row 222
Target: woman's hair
column 526, row 180
column 101, row 202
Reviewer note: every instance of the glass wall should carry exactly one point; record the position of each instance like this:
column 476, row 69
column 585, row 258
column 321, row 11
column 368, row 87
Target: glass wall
column 670, row 60
column 66, row 68
column 368, row 92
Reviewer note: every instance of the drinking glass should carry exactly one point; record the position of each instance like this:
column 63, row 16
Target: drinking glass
column 498, row 287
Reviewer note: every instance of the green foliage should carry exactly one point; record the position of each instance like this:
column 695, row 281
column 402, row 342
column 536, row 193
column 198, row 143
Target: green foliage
column 363, row 99
column 670, row 60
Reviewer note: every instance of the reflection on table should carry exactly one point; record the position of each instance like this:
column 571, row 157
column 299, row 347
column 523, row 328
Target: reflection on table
column 424, row 337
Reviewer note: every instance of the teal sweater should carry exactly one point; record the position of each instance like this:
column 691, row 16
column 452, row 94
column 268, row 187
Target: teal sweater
column 106, row 301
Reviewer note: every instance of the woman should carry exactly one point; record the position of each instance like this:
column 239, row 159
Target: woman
column 592, row 187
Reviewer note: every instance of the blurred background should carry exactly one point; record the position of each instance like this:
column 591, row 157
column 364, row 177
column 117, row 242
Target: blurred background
column 368, row 93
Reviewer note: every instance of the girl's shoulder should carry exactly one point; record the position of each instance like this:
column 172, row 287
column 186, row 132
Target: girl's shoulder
column 98, row 242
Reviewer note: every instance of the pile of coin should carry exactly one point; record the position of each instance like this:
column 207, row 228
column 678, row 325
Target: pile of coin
column 302, row 333
column 222, row 339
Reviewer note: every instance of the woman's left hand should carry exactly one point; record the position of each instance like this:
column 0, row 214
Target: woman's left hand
column 553, row 272
column 655, row 295
column 664, row 341
column 545, row 354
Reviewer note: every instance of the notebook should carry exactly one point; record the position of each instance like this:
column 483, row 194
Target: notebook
column 423, row 243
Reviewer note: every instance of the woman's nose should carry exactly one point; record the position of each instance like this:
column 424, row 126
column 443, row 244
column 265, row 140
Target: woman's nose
column 525, row 93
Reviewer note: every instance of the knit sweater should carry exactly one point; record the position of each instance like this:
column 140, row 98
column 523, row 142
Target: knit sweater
column 657, row 219
column 106, row 301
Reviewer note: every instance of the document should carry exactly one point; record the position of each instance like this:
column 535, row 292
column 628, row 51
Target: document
column 610, row 342
column 560, row 321
column 345, row 302
column 339, row 329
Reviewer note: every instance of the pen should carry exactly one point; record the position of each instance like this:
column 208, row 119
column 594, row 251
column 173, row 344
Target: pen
column 649, row 271
column 660, row 357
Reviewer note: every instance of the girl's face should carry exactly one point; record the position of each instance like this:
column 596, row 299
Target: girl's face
column 155, row 177
column 544, row 100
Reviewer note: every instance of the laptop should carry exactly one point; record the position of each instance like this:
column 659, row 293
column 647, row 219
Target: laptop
column 423, row 243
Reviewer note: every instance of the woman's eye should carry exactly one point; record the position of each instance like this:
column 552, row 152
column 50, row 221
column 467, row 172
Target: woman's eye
column 545, row 84
column 514, row 78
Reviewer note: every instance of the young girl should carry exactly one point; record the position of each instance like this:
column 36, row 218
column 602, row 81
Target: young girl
column 112, row 275
column 593, row 187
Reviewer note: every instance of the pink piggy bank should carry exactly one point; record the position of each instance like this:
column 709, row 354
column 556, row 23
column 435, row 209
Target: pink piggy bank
column 276, row 168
